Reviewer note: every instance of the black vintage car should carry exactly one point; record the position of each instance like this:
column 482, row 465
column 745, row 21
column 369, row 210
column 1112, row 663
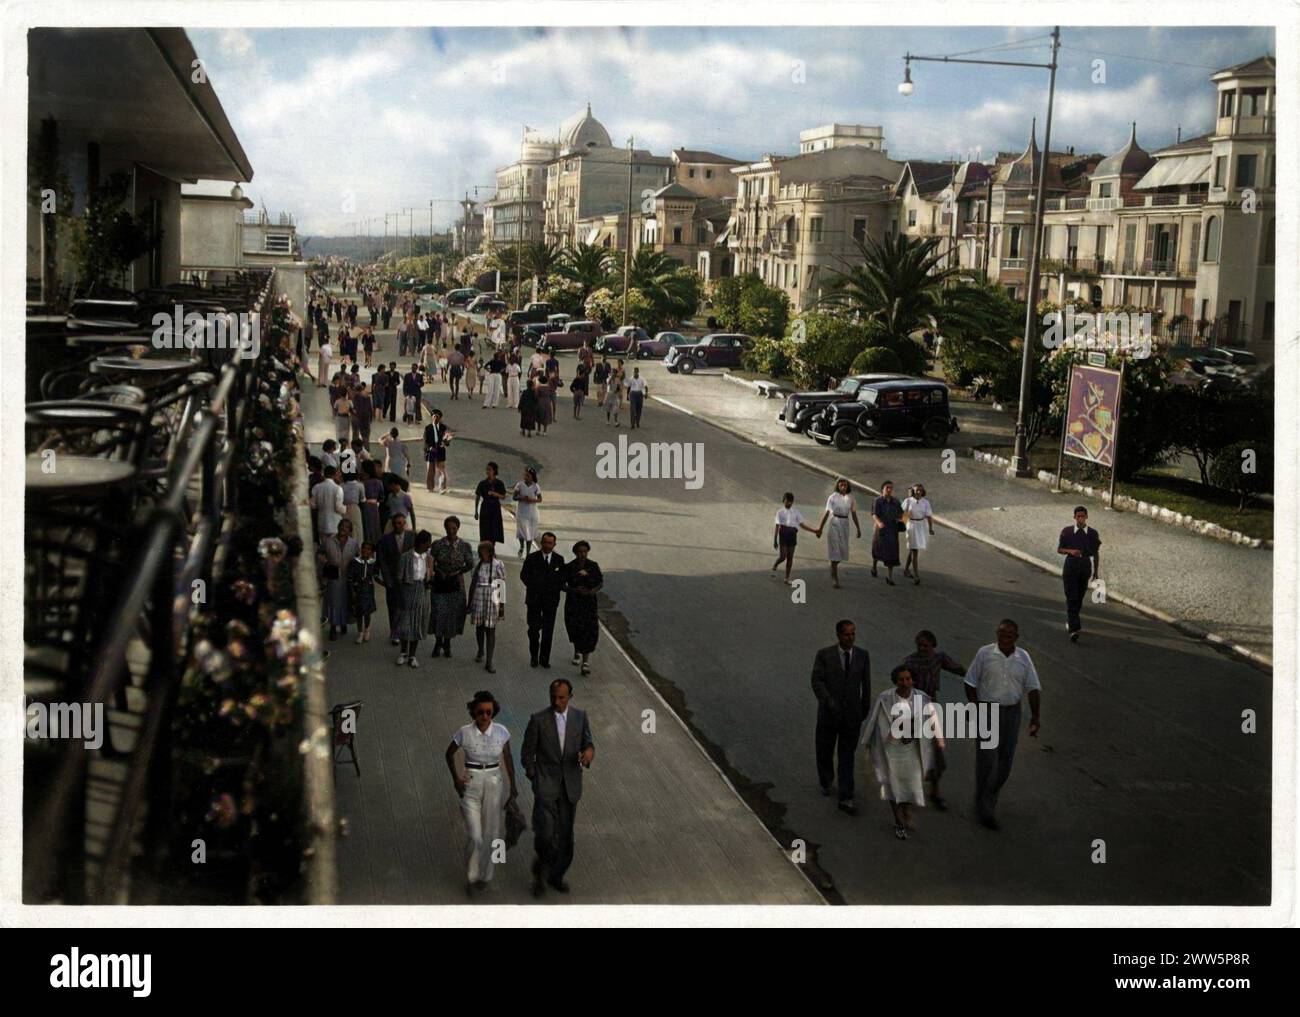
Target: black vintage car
column 901, row 409
column 801, row 408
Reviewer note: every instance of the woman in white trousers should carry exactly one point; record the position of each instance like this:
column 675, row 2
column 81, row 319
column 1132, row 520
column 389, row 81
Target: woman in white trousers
column 486, row 746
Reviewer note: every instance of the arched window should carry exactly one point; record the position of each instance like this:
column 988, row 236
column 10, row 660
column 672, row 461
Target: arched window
column 1212, row 239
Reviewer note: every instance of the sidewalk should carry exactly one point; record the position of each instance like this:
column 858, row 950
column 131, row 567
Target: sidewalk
column 658, row 824
column 1203, row 585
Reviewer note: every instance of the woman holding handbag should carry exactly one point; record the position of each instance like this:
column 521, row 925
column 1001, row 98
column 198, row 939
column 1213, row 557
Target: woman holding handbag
column 486, row 746
column 452, row 558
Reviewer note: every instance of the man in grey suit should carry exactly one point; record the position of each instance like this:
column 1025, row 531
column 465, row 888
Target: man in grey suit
column 557, row 745
column 841, row 680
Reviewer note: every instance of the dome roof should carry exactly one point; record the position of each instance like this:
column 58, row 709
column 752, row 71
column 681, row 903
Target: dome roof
column 1131, row 159
column 584, row 131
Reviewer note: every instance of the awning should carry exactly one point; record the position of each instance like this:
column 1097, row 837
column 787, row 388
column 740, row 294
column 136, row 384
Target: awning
column 591, row 237
column 1179, row 171
column 780, row 223
column 722, row 238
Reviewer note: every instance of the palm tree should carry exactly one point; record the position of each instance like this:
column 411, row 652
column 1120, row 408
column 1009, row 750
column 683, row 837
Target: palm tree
column 660, row 278
column 585, row 264
column 901, row 284
column 542, row 260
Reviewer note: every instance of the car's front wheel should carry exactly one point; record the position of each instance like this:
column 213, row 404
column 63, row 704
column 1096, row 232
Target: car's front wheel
column 687, row 366
column 846, row 438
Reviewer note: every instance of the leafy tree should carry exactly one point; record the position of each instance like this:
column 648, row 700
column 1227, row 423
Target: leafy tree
column 672, row 293
column 603, row 305
column 110, row 238
column 773, row 357
column 542, row 260
column 726, row 294
column 564, row 296
column 764, row 310
column 1244, row 468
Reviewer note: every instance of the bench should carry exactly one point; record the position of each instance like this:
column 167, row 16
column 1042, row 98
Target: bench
column 768, row 389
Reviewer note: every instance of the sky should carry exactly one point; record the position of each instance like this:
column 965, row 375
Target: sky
column 345, row 125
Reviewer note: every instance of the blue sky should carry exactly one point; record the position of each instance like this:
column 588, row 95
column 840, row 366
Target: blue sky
column 342, row 125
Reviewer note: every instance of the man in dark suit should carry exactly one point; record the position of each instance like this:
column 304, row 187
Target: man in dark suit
column 557, row 745
column 841, row 680
column 389, row 552
column 1081, row 546
column 391, row 394
column 542, row 579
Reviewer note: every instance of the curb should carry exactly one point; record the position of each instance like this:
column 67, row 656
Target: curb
column 1201, row 527
column 1187, row 628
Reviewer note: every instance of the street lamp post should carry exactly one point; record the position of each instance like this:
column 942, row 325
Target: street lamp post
column 1020, row 455
column 627, row 254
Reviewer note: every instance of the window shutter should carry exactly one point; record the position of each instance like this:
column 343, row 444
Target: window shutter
column 1150, row 242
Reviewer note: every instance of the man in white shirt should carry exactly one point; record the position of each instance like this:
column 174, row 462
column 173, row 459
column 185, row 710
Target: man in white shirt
column 327, row 502
column 636, row 390
column 1002, row 674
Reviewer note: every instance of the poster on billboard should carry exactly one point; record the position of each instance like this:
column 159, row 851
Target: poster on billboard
column 1091, row 429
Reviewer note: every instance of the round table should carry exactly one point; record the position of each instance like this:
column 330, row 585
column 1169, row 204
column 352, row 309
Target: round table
column 99, row 341
column 76, row 475
column 144, row 371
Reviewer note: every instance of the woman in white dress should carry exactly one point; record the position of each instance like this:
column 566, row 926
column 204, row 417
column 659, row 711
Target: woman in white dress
column 902, row 733
column 512, row 382
column 324, row 357
column 486, row 745
column 920, row 527
column 527, row 496
column 840, row 508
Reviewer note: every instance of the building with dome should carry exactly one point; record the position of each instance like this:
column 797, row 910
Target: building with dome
column 590, row 178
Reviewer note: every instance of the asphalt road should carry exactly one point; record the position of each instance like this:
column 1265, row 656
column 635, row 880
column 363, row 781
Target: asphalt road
column 1142, row 745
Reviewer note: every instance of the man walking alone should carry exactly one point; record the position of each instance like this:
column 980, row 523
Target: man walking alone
column 841, row 680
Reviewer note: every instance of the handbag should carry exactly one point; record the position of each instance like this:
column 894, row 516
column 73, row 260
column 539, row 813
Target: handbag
column 330, row 572
column 516, row 824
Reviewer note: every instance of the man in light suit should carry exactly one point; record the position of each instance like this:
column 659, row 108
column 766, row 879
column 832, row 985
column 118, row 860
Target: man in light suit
column 557, row 745
column 327, row 501
column 841, row 680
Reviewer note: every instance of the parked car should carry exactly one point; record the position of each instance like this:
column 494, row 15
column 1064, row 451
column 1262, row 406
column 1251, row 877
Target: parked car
column 801, row 407
column 571, row 337
column 661, row 345
column 486, row 305
column 904, row 408
column 532, row 314
column 622, row 339
column 1238, row 358
column 719, row 349
column 461, row 297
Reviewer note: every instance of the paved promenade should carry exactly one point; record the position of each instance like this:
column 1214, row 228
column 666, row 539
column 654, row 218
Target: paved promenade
column 657, row 824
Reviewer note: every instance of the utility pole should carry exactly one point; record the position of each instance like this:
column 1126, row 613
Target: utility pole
column 627, row 254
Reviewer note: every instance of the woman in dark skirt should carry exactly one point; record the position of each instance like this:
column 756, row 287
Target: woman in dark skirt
column 371, row 523
column 490, row 493
column 582, row 581
column 452, row 558
column 887, row 514
column 361, row 589
column 528, row 409
column 413, row 619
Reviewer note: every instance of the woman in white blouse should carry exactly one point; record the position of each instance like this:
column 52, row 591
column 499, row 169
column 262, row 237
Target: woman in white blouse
column 486, row 745
column 840, row 508
column 920, row 527
column 527, row 496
